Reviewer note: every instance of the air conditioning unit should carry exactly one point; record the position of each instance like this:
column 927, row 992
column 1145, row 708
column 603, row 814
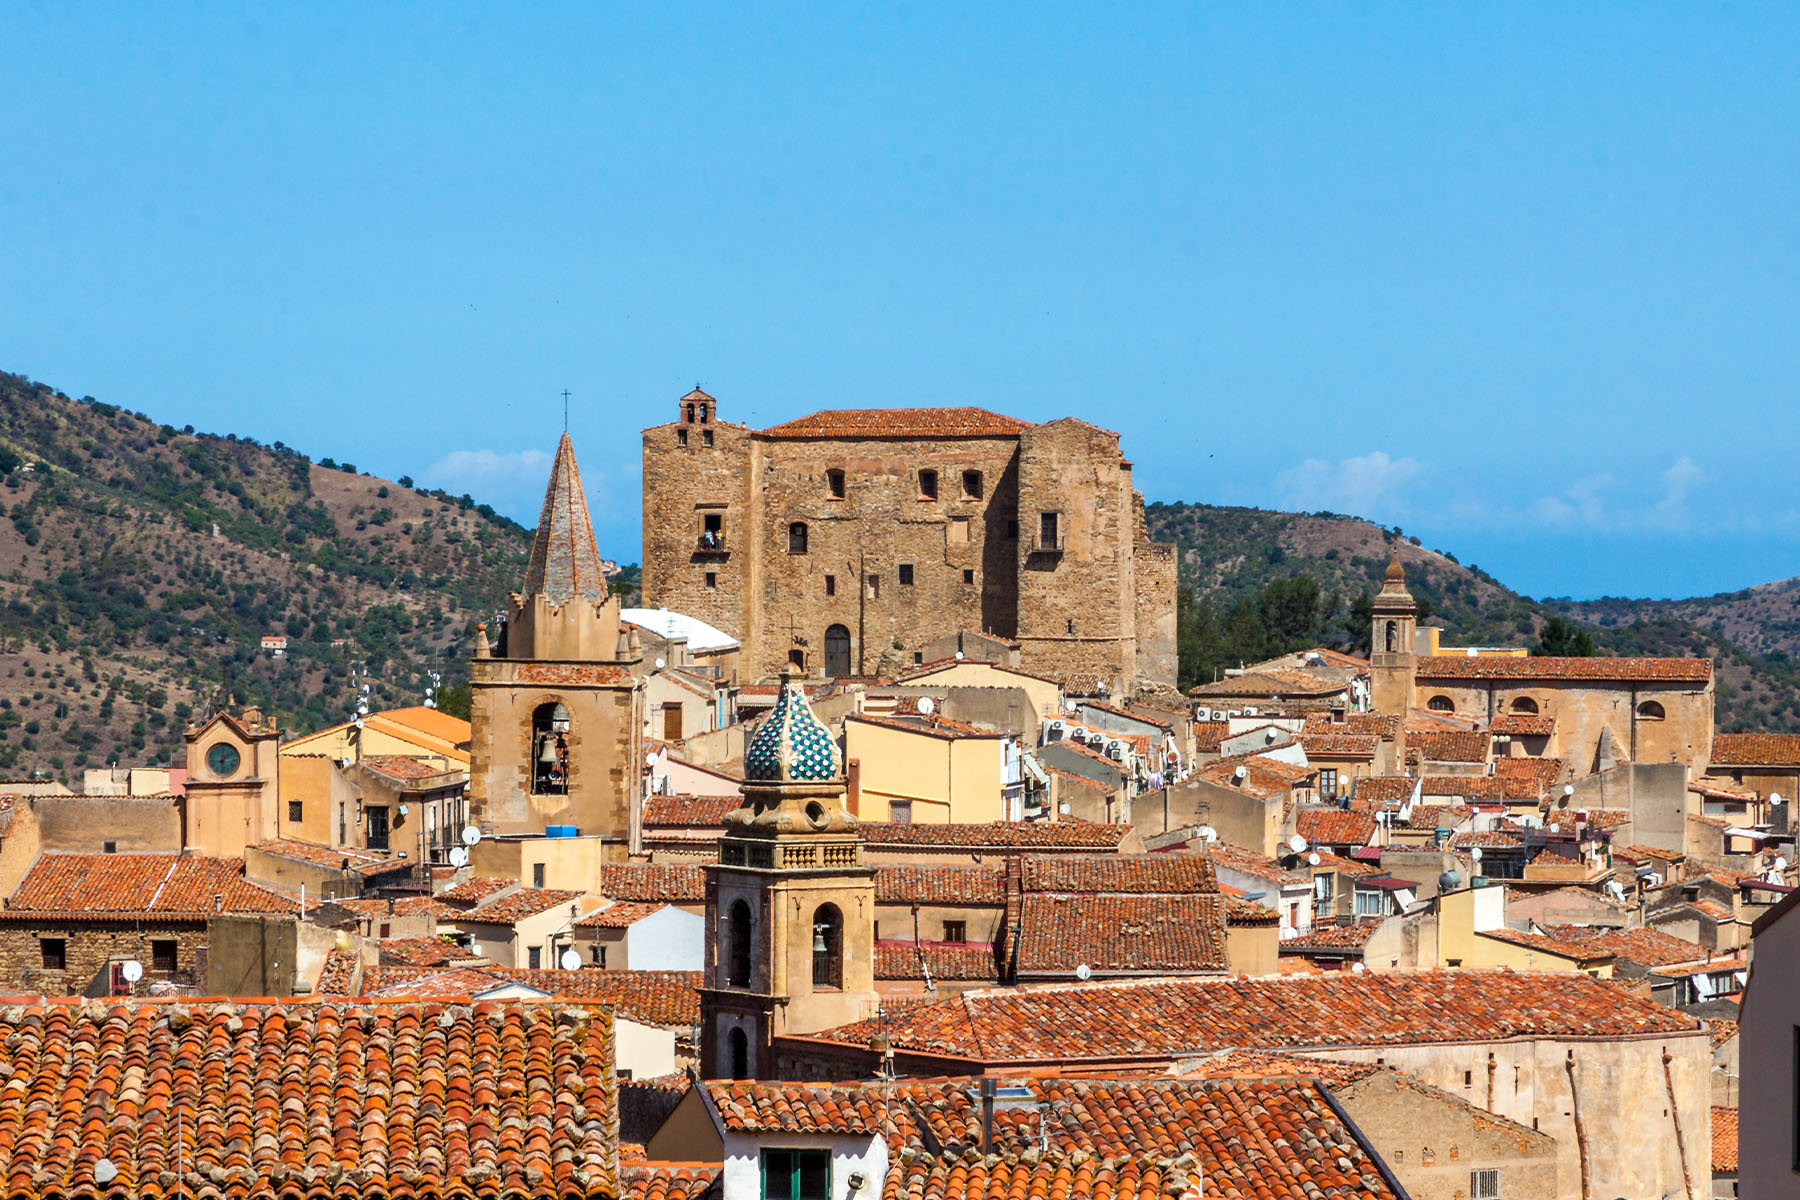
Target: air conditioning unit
column 1115, row 750
column 1204, row 714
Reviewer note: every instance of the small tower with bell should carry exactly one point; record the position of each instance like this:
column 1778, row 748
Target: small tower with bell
column 1393, row 655
column 790, row 905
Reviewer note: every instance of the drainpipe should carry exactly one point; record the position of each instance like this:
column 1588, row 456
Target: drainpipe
column 987, row 1115
column 1581, row 1142
column 1491, row 1068
column 1687, row 1181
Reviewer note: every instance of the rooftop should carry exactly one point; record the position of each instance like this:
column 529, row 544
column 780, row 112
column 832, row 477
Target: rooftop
column 1756, row 750
column 663, row 998
column 998, row 835
column 667, row 883
column 564, row 562
column 1124, row 874
column 166, row 885
column 1600, row 670
column 940, row 884
column 949, row 422
column 1168, row 934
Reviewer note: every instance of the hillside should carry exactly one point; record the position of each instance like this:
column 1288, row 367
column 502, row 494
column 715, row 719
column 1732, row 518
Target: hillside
column 1228, row 554
column 141, row 565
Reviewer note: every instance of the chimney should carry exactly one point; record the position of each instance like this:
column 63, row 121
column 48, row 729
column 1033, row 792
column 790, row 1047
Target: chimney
column 853, row 784
column 218, row 902
column 253, row 716
column 987, row 1116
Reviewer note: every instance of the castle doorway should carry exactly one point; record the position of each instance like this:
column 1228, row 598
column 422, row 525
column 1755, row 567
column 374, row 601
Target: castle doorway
column 837, row 651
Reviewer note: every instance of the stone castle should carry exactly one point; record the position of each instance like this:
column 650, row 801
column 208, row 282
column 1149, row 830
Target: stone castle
column 842, row 543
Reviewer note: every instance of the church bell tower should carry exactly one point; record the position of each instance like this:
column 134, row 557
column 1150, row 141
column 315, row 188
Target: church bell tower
column 1393, row 646
column 790, row 905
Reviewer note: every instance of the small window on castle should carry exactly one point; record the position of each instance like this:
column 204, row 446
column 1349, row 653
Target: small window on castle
column 1524, row 704
column 53, row 953
column 296, row 811
column 906, row 574
column 956, row 931
column 968, row 576
column 165, row 955
column 1049, row 531
column 918, row 657
column 874, row 587
column 706, row 437
column 712, row 579
column 1441, row 704
column 831, row 585
column 928, row 485
column 797, row 537
column 109, row 847
column 681, row 437
column 1650, row 710
column 834, row 483
column 971, row 485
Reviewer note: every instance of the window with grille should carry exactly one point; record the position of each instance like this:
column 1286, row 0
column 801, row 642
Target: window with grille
column 165, row 955
column 1484, row 1184
column 53, row 953
column 956, row 931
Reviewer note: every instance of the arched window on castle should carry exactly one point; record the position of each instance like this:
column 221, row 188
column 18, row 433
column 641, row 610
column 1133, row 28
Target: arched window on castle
column 550, row 728
column 1393, row 637
column 828, row 947
column 739, row 935
column 1524, row 704
column 740, row 1054
column 1650, row 710
column 1441, row 704
column 797, row 537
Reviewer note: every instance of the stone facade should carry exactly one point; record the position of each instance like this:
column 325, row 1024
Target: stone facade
column 848, row 542
column 90, row 946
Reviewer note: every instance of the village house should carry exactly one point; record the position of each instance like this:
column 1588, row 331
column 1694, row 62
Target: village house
column 924, row 768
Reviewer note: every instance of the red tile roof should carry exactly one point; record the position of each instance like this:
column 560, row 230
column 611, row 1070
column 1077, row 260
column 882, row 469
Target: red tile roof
column 167, row 885
column 1333, row 937
column 1167, row 935
column 1240, row 911
column 620, row 914
column 1646, row 947
column 950, row 422
column 665, row 883
column 756, row 1107
column 475, row 889
column 517, row 906
column 1158, row 1020
column 1336, row 744
column 1545, row 944
column 406, row 768
column 1450, row 667
column 1208, row 735
column 1263, row 777
column 1756, row 750
column 1523, row 725
column 1054, row 1177
column 333, row 857
column 939, row 884
column 1336, row 826
column 1123, row 874
column 998, row 835
column 1724, row 1139
column 944, row 960
column 423, row 952
column 338, row 976
column 663, row 998
column 307, row 1098
column 689, row 811
column 1449, row 745
column 1248, row 862
column 1383, row 725
column 667, row 1181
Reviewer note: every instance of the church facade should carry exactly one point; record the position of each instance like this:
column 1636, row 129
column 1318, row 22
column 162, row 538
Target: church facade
column 844, row 542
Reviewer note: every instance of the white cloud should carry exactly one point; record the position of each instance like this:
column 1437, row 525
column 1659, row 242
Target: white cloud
column 1590, row 503
column 468, row 468
column 1371, row 486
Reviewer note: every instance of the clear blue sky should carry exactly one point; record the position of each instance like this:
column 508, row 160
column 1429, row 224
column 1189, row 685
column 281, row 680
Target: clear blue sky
column 1519, row 279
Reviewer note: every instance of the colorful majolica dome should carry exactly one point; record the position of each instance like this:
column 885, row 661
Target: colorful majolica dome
column 792, row 746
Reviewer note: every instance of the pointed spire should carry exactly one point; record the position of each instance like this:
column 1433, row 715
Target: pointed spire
column 565, row 563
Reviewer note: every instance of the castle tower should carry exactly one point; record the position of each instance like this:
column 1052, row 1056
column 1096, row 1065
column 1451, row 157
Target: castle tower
column 790, row 905
column 556, row 712
column 1393, row 656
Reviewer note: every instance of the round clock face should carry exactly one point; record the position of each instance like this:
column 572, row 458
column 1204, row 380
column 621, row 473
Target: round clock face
column 222, row 759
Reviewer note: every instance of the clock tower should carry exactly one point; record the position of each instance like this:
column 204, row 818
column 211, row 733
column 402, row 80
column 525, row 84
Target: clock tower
column 233, row 765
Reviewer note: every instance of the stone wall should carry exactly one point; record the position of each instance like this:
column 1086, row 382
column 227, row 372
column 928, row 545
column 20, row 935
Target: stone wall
column 1433, row 1143
column 89, row 947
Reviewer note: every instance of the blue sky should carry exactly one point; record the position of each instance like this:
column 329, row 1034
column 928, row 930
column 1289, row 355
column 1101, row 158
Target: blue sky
column 1520, row 279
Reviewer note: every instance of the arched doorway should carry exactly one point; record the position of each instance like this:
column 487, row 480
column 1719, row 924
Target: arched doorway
column 837, row 651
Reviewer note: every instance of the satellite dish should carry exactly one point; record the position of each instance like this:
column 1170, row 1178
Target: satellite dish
column 105, row 1172
column 1774, row 797
column 959, row 655
column 925, row 705
column 133, row 971
column 470, row 835
column 1313, row 860
column 1208, row 833
column 660, row 664
column 1239, row 773
column 1070, row 704
column 1568, row 789
column 570, row 960
column 404, row 809
column 1084, row 972
column 459, row 857
column 1297, row 844
column 1359, row 968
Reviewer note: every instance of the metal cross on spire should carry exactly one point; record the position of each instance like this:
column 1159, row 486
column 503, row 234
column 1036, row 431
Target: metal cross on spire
column 565, row 395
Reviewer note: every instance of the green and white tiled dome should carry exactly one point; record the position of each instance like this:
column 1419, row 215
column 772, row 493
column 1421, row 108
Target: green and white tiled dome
column 792, row 746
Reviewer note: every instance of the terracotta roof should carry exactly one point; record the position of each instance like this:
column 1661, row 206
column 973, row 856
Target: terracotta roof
column 1337, row 862
column 1208, row 735
column 1535, row 775
column 936, row 725
column 1263, row 777
column 620, row 914
column 1339, row 745
column 1159, row 1019
column 405, row 768
column 1123, row 874
column 333, row 857
column 666, row 883
column 951, row 422
column 171, row 885
column 667, row 1181
column 1169, row 934
column 944, row 960
column 423, row 952
column 1383, row 725
column 1240, row 911
column 1545, row 944
column 1051, row 1177
column 475, row 889
column 375, row 907
column 516, row 906
column 1458, row 746
column 1646, row 947
column 766, row 1107
column 689, row 811
column 1724, row 1139
column 1336, row 826
column 1248, row 862
column 1756, row 749
column 304, row 1098
column 1267, row 685
column 940, row 884
column 338, row 976
column 564, row 562
column 1523, row 725
column 1493, row 666
column 663, row 998
column 1486, row 839
column 997, row 835
column 1332, row 937
column 1722, row 1030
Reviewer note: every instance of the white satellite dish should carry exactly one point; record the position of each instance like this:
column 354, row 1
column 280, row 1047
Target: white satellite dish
column 1475, row 853
column 1070, row 704
column 650, row 759
column 1239, row 773
column 1568, row 789
column 1357, row 967
column 570, row 960
column 1084, row 972
column 1208, row 833
column 660, row 664
column 105, row 1172
column 470, row 835
column 404, row 809
column 1297, row 844
column 133, row 971
column 926, row 706
column 1774, row 797
column 959, row 655
column 459, row 857
column 1313, row 860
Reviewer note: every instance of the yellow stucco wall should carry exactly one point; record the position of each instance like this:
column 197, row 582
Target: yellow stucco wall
column 947, row 780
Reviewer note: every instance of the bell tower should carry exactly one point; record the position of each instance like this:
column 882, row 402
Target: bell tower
column 790, row 905
column 555, row 708
column 1393, row 647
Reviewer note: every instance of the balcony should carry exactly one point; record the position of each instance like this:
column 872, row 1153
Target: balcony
column 711, row 545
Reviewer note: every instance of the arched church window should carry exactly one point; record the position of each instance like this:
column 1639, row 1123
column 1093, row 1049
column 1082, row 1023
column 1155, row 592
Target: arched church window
column 739, row 934
column 1393, row 637
column 550, row 727
column 1524, row 704
column 797, row 537
column 1441, row 704
column 1650, row 710
column 828, row 947
column 740, row 1054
